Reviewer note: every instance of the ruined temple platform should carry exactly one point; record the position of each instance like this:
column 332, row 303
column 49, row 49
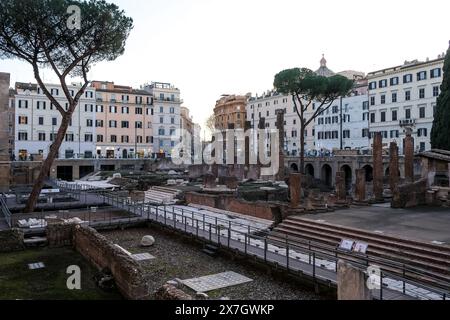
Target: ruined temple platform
column 424, row 224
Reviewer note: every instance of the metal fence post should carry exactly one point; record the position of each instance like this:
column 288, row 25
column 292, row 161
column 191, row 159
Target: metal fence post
column 196, row 227
column 287, row 256
column 381, row 285
column 229, row 233
column 265, row 250
column 165, row 217
column 404, row 284
column 209, row 232
column 245, row 246
column 314, row 266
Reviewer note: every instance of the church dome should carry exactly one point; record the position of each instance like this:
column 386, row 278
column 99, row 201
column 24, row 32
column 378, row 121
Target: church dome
column 323, row 70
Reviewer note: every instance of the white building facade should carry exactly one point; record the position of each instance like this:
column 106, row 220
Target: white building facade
column 166, row 117
column 345, row 125
column 37, row 121
column 403, row 98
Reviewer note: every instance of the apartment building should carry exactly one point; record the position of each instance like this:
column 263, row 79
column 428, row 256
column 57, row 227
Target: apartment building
column 346, row 118
column 37, row 121
column 403, row 98
column 123, row 121
column 230, row 110
column 167, row 117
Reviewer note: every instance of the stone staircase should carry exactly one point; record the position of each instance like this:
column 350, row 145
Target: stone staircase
column 433, row 260
column 161, row 195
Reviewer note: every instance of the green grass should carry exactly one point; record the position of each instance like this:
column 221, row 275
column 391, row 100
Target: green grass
column 18, row 282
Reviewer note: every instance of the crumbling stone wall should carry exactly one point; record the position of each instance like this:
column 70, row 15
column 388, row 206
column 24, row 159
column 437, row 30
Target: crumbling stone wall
column 261, row 209
column 59, row 235
column 11, row 240
column 169, row 292
column 410, row 195
column 127, row 273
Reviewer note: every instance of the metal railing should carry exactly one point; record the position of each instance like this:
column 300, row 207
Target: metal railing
column 316, row 260
column 5, row 210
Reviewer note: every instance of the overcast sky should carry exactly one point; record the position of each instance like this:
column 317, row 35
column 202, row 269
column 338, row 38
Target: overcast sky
column 212, row 47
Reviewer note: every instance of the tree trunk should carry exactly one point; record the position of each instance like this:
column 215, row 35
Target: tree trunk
column 302, row 147
column 47, row 164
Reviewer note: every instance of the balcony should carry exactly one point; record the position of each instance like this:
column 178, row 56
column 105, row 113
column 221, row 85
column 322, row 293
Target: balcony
column 407, row 122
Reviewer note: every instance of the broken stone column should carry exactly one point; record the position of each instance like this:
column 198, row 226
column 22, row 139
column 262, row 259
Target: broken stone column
column 295, row 188
column 351, row 283
column 393, row 166
column 341, row 192
column 209, row 181
column 360, row 192
column 378, row 167
column 280, row 128
column 409, row 157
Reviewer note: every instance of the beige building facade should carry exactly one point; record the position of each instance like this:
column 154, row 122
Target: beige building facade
column 124, row 127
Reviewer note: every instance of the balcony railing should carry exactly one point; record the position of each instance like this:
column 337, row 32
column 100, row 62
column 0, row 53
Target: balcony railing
column 407, row 122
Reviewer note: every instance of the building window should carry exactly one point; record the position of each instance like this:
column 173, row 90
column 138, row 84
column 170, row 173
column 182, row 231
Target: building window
column 98, row 108
column 69, row 137
column 125, row 110
column 407, row 78
column 383, row 116
column 89, row 123
column 394, row 115
column 138, row 110
column 422, row 132
column 113, row 138
column 54, row 92
column 161, row 132
column 99, row 138
column 125, row 124
column 372, row 118
column 345, row 134
column 52, row 137
column 394, row 81
column 112, row 109
column 383, row 99
column 372, row 85
column 435, row 73
column 382, row 83
column 138, row 125
column 89, row 108
column 421, row 93
column 23, row 120
column 172, row 110
column 125, row 139
column 139, row 139
column 436, row 91
column 41, row 121
column 372, row 101
column 23, row 136
column 23, row 104
column 172, row 120
column 408, row 113
column 407, row 95
column 161, row 109
column 422, row 112
column 41, row 136
column 366, row 105
column 88, row 137
column 112, row 123
column 421, row 75
column 161, row 120
column 394, row 97
column 99, row 123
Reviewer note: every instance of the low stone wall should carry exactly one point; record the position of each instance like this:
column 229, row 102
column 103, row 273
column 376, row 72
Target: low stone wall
column 169, row 292
column 127, row 273
column 11, row 240
column 263, row 210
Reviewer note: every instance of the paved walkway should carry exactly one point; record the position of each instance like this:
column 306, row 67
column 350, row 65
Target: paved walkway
column 423, row 224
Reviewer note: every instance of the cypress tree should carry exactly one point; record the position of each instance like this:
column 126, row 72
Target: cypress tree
column 440, row 134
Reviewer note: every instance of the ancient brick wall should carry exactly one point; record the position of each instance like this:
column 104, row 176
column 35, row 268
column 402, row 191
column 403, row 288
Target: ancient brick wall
column 11, row 240
column 127, row 273
column 59, row 235
column 262, row 210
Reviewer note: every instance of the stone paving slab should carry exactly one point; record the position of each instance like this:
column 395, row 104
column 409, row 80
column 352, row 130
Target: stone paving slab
column 216, row 281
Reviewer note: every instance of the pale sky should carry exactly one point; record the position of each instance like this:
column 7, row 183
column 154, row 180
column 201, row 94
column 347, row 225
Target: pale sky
column 212, row 47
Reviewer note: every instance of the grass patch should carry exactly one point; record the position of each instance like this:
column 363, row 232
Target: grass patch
column 18, row 282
